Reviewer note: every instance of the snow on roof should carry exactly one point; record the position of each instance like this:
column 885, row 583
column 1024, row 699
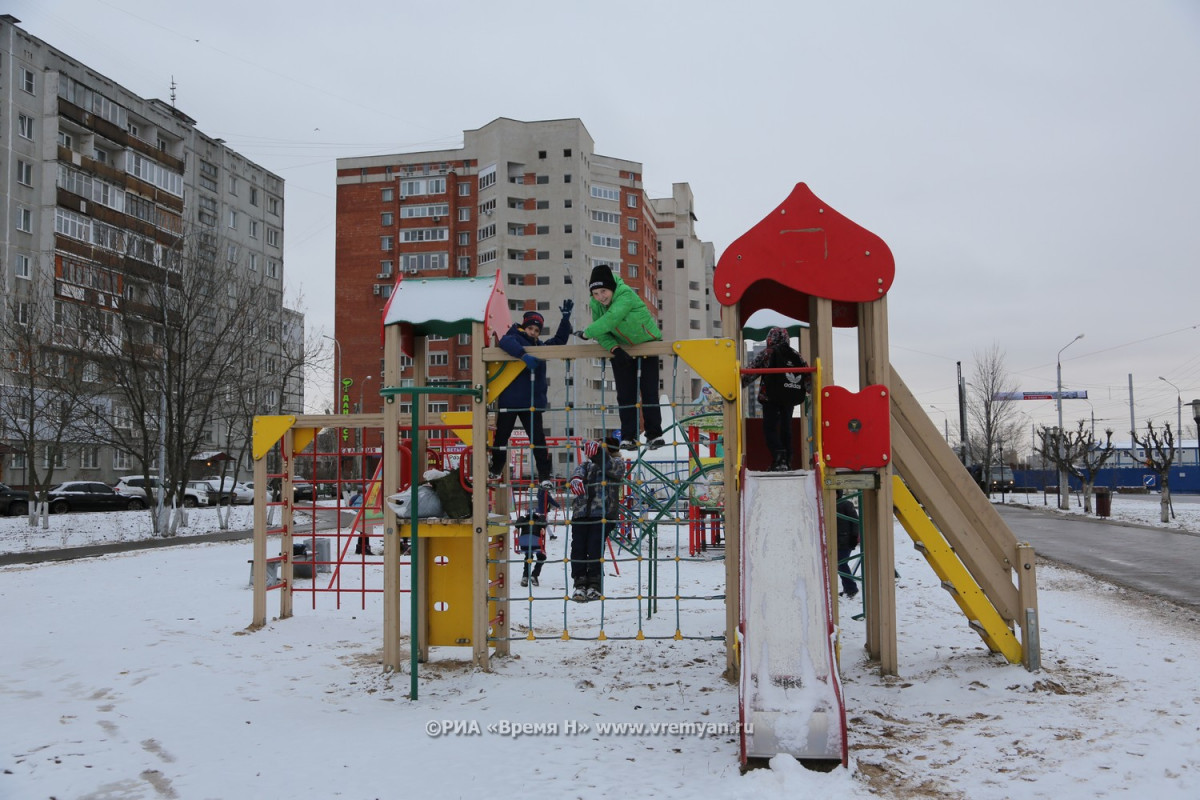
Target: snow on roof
column 427, row 302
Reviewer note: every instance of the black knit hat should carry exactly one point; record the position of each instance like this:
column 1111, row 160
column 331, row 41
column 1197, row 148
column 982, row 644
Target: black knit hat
column 602, row 278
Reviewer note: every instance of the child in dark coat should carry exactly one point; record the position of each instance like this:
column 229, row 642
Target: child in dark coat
column 595, row 510
column 847, row 540
column 779, row 393
column 531, row 539
column 525, row 398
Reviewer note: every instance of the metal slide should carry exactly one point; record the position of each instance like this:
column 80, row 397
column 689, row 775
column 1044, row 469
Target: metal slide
column 790, row 695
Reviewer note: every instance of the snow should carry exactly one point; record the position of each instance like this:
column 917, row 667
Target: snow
column 133, row 675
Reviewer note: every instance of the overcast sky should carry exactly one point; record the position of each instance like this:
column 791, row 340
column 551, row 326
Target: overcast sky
column 1034, row 166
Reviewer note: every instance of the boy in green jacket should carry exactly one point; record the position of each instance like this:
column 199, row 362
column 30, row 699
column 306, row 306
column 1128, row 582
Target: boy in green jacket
column 620, row 317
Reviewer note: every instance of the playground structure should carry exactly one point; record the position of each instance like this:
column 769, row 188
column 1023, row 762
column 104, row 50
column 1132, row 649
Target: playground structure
column 803, row 260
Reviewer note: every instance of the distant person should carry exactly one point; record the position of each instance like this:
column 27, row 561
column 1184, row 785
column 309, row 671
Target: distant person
column 848, row 527
column 620, row 318
column 546, row 501
column 595, row 511
column 531, row 539
column 525, row 398
column 778, row 393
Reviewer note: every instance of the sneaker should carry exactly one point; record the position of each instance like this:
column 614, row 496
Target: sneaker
column 579, row 596
column 626, row 444
column 592, row 593
column 524, row 581
column 534, row 581
column 656, row 443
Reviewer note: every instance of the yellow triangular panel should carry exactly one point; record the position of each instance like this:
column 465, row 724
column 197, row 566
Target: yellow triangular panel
column 715, row 360
column 500, row 375
column 268, row 431
column 461, row 420
column 302, row 439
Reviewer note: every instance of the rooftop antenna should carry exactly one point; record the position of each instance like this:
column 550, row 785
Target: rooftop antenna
column 172, row 91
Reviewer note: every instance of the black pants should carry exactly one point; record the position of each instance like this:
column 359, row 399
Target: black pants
column 777, row 427
column 849, row 585
column 641, row 374
column 587, row 551
column 531, row 421
column 530, row 553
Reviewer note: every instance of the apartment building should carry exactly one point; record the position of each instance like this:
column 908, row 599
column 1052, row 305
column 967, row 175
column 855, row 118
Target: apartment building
column 103, row 192
column 536, row 202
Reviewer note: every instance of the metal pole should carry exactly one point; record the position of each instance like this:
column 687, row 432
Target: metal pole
column 337, row 390
column 1062, row 472
column 1179, row 400
column 962, row 413
column 1196, row 416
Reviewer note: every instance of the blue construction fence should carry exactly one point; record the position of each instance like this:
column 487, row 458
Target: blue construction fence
column 1184, row 479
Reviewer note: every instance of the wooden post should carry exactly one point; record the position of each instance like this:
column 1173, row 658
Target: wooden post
column 878, row 542
column 481, row 536
column 259, row 617
column 389, row 483
column 288, row 494
column 1027, row 588
column 731, row 328
column 820, row 333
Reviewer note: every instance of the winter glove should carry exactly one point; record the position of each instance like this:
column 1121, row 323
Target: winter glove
column 582, row 335
column 530, row 361
column 577, row 487
column 619, row 356
column 567, row 306
column 591, row 448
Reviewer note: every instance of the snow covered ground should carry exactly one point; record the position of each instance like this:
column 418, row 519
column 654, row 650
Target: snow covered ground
column 133, row 676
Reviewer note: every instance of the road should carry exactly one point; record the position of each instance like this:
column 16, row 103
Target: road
column 1161, row 562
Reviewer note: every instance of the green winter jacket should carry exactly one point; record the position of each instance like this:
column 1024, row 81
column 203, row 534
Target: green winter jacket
column 626, row 321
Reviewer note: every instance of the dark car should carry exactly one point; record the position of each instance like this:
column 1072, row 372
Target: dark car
column 13, row 502
column 301, row 490
column 89, row 496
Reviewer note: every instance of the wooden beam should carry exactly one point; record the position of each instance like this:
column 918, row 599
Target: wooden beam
column 733, row 426
column 389, row 482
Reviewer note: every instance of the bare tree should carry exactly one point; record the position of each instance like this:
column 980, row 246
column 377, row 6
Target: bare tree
column 991, row 420
column 1076, row 453
column 42, row 401
column 1159, row 450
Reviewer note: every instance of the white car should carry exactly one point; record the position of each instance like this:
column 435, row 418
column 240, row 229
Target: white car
column 135, row 486
column 229, row 489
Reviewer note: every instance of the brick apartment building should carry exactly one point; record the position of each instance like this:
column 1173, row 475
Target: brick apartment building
column 535, row 201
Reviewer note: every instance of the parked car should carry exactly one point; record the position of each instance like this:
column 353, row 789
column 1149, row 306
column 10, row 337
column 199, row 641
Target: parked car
column 229, row 490
column 135, row 486
column 201, row 489
column 13, row 502
column 89, row 496
column 301, row 490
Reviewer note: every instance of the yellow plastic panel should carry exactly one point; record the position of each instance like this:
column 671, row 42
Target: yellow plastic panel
column 447, row 563
column 462, row 422
column 500, row 375
column 267, row 431
column 715, row 360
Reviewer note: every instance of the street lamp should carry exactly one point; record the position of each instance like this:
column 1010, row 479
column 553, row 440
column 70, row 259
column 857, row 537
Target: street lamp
column 337, row 390
column 361, row 386
column 1179, row 400
column 1062, row 471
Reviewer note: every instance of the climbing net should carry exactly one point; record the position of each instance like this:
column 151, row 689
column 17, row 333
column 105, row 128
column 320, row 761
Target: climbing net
column 658, row 582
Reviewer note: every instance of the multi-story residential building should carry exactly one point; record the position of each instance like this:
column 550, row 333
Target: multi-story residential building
column 536, row 202
column 109, row 199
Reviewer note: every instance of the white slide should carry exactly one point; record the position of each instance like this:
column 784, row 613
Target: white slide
column 790, row 696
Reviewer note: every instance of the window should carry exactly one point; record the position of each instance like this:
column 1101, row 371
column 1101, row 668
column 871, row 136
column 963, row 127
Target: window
column 120, row 460
column 631, row 248
column 272, row 268
column 273, row 237
column 567, row 203
column 631, row 201
column 439, row 359
column 273, row 206
column 21, row 265
column 464, row 338
column 610, row 217
column 601, row 240
column 232, row 219
column 601, row 192
column 385, row 219
column 412, row 262
column 541, row 153
column 53, row 455
column 464, row 362
column 24, row 172
column 567, row 178
column 233, row 184
column 66, row 140
column 253, row 196
column 424, row 234
column 464, row 239
column 385, row 268
column 388, row 195
column 438, row 407
column 543, row 179
column 21, row 313
column 631, row 223
column 679, row 263
column 253, row 229
column 386, row 243
column 89, row 458
column 464, row 215
column 464, row 189
column 25, row 126
column 27, row 81
column 633, row 272
column 486, row 232
column 568, row 253
column 25, row 220
column 253, row 264
column 567, row 152
column 568, row 228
